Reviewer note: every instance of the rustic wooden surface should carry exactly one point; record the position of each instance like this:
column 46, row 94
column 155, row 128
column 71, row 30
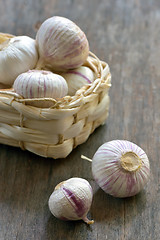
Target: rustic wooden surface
column 125, row 34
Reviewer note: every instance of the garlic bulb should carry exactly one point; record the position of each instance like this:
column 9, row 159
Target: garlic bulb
column 77, row 78
column 121, row 168
column 71, row 200
column 17, row 55
column 40, row 84
column 61, row 44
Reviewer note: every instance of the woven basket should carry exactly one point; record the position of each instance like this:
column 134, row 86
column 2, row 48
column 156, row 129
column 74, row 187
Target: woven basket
column 55, row 131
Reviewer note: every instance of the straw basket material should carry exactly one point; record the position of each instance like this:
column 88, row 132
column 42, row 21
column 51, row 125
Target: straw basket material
column 55, row 131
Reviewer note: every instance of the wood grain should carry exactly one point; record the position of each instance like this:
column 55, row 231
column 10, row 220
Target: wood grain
column 125, row 34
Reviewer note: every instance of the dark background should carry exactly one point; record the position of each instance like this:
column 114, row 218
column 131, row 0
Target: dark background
column 126, row 35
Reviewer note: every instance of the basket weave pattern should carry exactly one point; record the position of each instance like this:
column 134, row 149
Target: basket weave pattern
column 55, row 131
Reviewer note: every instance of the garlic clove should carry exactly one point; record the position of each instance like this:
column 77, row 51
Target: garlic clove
column 71, row 200
column 62, row 44
column 77, row 78
column 17, row 55
column 40, row 84
column 121, row 168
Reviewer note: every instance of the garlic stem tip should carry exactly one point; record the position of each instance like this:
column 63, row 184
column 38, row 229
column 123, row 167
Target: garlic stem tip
column 40, row 64
column 86, row 220
column 90, row 222
column 86, row 158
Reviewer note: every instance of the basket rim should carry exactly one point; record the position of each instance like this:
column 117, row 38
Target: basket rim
column 101, row 82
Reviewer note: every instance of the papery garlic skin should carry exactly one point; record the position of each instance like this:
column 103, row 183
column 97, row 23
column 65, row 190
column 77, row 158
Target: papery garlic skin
column 71, row 200
column 17, row 55
column 121, row 168
column 77, row 78
column 40, row 84
column 62, row 44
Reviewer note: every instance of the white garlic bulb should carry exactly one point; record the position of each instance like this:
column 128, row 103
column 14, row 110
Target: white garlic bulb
column 61, row 44
column 77, row 78
column 17, row 55
column 40, row 84
column 71, row 200
column 121, row 168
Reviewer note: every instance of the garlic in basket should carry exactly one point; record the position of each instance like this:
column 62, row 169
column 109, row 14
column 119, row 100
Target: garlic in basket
column 17, row 55
column 121, row 168
column 61, row 44
column 40, row 84
column 71, row 200
column 77, row 78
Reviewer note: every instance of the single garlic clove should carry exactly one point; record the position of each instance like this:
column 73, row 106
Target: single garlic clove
column 62, row 44
column 40, row 84
column 77, row 78
column 71, row 200
column 121, row 168
column 17, row 55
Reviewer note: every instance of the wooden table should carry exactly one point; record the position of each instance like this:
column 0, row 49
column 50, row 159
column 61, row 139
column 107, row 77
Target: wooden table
column 125, row 34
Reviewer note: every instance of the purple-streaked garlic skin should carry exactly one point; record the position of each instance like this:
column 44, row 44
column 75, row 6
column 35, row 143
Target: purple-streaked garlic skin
column 77, row 78
column 71, row 199
column 40, row 84
column 62, row 44
column 110, row 171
